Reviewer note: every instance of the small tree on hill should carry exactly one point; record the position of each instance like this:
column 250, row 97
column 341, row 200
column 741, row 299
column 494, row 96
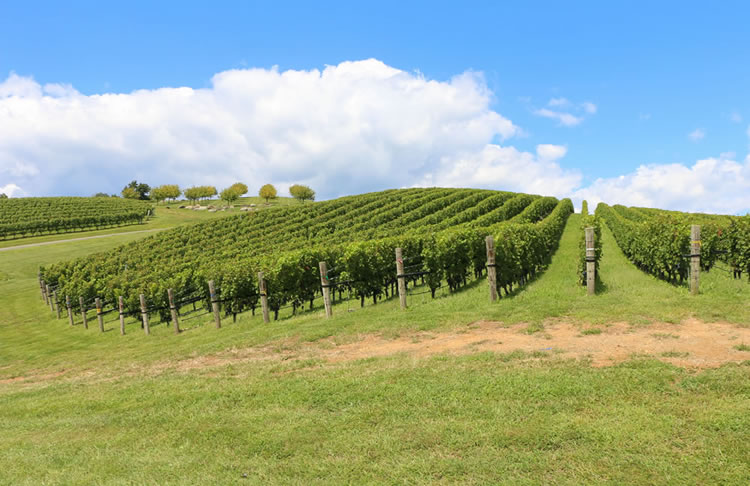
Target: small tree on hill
column 141, row 189
column 130, row 193
column 3, row 196
column 267, row 192
column 166, row 191
column 239, row 188
column 302, row 193
column 229, row 195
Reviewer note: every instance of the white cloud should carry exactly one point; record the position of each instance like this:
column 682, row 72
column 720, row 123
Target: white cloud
column 565, row 119
column 589, row 107
column 347, row 128
column 558, row 102
column 548, row 151
column 507, row 168
column 12, row 190
column 735, row 117
column 716, row 185
column 697, row 135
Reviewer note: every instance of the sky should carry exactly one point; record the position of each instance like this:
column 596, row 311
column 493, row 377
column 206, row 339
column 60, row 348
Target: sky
column 638, row 103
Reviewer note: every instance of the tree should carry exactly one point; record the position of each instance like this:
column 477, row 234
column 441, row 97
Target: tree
column 200, row 192
column 130, row 193
column 101, row 194
column 302, row 193
column 3, row 196
column 229, row 195
column 267, row 192
column 239, row 188
column 166, row 191
column 141, row 189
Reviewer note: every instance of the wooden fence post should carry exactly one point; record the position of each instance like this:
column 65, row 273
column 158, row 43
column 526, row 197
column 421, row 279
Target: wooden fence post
column 83, row 312
column 144, row 314
column 121, row 306
column 695, row 258
column 44, row 293
column 50, row 301
column 41, row 285
column 489, row 242
column 263, row 296
column 70, row 310
column 57, row 303
column 401, row 278
column 214, row 303
column 173, row 311
column 590, row 261
column 326, row 286
column 99, row 316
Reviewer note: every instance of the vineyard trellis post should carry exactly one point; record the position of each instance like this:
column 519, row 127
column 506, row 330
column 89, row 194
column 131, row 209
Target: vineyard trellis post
column 695, row 258
column 325, row 284
column 49, row 298
column 41, row 285
column 70, row 309
column 121, row 306
column 144, row 314
column 173, row 311
column 57, row 303
column 401, row 278
column 214, row 303
column 263, row 296
column 489, row 243
column 44, row 292
column 83, row 312
column 590, row 261
column 99, row 316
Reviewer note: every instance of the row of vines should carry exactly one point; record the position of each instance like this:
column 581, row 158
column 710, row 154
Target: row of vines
column 23, row 217
column 658, row 242
column 441, row 232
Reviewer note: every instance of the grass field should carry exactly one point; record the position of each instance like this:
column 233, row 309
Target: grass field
column 81, row 407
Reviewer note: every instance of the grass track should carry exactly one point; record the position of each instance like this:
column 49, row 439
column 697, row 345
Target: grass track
column 487, row 417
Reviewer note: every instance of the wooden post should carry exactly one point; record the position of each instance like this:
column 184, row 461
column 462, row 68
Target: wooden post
column 173, row 311
column 49, row 298
column 695, row 258
column 83, row 313
column 144, row 314
column 326, row 285
column 57, row 303
column 489, row 242
column 70, row 310
column 99, row 316
column 44, row 293
column 401, row 278
column 121, row 306
column 263, row 296
column 41, row 285
column 590, row 261
column 214, row 303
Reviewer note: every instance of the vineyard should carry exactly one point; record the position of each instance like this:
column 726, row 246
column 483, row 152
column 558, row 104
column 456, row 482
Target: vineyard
column 441, row 232
column 24, row 217
column 658, row 241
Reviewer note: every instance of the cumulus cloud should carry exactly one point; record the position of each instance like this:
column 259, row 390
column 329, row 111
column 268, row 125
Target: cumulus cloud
column 346, row 128
column 589, row 107
column 697, row 135
column 558, row 102
column 12, row 190
column 735, row 117
column 714, row 185
column 509, row 168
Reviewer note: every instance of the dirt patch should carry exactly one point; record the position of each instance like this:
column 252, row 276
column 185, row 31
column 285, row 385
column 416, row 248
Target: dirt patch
column 691, row 344
column 43, row 377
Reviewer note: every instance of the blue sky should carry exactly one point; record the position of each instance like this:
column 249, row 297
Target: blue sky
column 641, row 84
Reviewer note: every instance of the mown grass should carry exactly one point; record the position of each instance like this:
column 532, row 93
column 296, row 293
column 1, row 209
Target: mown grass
column 114, row 417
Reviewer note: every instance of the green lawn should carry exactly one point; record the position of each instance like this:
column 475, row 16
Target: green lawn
column 111, row 409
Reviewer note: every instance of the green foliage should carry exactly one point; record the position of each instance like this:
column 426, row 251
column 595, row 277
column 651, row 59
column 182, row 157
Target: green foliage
column 287, row 244
column 139, row 190
column 200, row 192
column 302, row 193
column 23, row 217
column 166, row 191
column 267, row 192
column 239, row 188
column 229, row 195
